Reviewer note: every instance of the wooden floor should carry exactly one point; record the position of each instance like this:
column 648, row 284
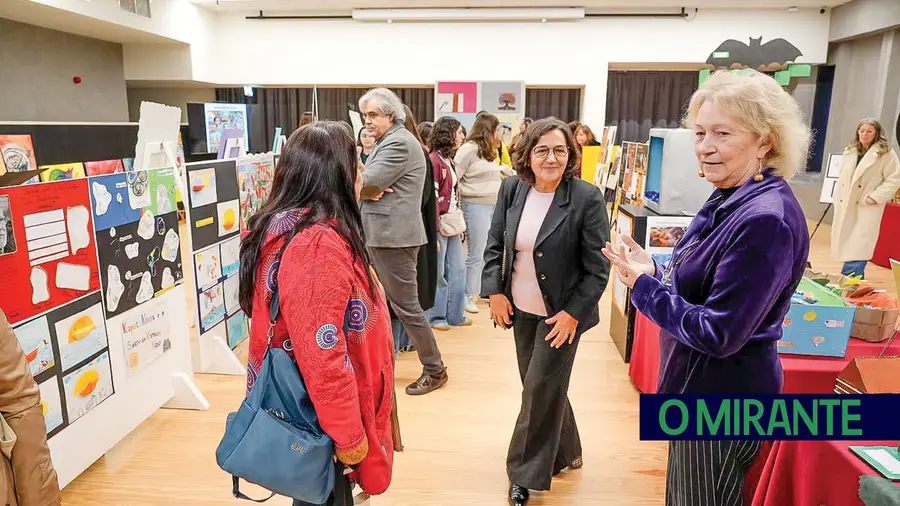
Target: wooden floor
column 456, row 438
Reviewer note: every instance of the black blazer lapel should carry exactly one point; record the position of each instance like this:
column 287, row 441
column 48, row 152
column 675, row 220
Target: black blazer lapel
column 556, row 214
column 514, row 215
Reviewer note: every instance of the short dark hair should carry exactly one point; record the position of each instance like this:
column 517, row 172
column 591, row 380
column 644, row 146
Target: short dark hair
column 573, row 126
column 443, row 136
column 521, row 156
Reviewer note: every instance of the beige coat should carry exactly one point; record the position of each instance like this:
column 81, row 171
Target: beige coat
column 854, row 230
column 28, row 477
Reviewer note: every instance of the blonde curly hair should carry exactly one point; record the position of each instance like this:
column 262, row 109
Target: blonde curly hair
column 761, row 106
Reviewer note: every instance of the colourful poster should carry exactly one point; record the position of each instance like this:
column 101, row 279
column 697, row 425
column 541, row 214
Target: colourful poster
column 80, row 336
column 255, row 175
column 456, row 97
column 503, row 97
column 221, row 117
column 103, row 167
column 88, row 386
column 137, row 236
column 17, row 153
column 238, row 329
column 62, row 171
column 51, row 403
column 34, row 337
column 47, row 248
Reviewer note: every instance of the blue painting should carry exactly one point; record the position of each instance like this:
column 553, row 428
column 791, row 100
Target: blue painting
column 110, row 203
column 34, row 337
column 238, row 329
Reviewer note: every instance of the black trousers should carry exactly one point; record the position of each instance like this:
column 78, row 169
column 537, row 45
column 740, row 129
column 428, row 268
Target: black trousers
column 545, row 440
column 342, row 494
column 708, row 473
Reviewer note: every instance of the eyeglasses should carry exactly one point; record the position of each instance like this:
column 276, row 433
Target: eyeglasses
column 559, row 152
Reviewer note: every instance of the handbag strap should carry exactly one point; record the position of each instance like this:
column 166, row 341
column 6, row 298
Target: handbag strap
column 235, row 490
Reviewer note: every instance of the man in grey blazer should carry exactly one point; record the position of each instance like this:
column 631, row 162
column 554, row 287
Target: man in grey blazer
column 393, row 224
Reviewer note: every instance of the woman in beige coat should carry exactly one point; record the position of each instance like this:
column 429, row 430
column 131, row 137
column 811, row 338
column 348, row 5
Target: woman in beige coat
column 27, row 477
column 870, row 174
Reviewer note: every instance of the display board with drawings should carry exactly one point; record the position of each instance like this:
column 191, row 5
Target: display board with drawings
column 50, row 258
column 255, row 174
column 213, row 214
column 137, row 236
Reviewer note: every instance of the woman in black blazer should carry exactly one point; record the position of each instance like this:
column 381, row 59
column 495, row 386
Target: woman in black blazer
column 544, row 274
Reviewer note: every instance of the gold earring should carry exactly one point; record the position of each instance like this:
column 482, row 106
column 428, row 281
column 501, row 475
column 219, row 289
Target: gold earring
column 759, row 175
column 701, row 173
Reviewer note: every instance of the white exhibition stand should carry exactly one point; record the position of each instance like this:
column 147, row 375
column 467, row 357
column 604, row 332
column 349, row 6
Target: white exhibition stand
column 167, row 382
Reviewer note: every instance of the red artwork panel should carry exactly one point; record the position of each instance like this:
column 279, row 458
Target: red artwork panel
column 48, row 255
column 103, row 167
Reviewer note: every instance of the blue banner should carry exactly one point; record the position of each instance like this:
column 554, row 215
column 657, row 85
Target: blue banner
column 770, row 417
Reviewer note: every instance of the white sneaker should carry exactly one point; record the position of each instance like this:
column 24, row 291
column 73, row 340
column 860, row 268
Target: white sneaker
column 471, row 306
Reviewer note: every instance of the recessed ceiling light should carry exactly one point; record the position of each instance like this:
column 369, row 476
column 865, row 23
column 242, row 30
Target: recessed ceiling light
column 792, row 9
column 390, row 21
column 543, row 20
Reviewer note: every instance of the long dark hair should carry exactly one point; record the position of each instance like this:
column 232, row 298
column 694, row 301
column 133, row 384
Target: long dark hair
column 443, row 136
column 410, row 125
column 316, row 172
column 482, row 134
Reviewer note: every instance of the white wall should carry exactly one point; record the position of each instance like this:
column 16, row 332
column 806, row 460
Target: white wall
column 175, row 97
column 36, row 70
column 291, row 52
column 863, row 17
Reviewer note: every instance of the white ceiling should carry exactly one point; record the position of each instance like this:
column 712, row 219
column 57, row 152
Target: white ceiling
column 313, row 7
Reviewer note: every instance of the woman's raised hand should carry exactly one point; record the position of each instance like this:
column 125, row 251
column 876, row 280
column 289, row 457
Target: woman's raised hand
column 630, row 261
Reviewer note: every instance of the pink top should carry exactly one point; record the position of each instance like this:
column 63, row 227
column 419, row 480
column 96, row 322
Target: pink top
column 526, row 292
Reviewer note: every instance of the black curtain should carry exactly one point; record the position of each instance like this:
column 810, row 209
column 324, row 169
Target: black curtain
column 561, row 103
column 334, row 102
column 637, row 101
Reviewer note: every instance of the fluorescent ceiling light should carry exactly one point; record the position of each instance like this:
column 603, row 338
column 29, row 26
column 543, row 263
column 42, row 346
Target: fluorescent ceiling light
column 479, row 14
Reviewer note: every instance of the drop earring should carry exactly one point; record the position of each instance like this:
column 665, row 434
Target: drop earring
column 701, row 173
column 759, row 175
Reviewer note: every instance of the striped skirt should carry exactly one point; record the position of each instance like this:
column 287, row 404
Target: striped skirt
column 708, row 473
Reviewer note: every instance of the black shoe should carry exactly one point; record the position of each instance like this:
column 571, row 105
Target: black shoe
column 427, row 383
column 518, row 496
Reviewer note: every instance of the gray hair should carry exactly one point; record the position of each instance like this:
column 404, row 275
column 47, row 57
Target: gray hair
column 387, row 102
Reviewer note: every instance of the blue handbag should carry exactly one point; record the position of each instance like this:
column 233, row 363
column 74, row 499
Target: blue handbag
column 274, row 440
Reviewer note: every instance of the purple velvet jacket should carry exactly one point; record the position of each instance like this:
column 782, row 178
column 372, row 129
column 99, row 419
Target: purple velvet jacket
column 730, row 286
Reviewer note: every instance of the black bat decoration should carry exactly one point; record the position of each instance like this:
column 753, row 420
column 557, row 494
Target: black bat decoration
column 773, row 55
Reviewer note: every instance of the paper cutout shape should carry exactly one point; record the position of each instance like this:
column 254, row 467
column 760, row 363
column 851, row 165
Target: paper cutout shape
column 164, row 202
column 818, row 340
column 168, row 281
column 810, row 316
column 77, row 225
column 39, row 290
column 73, row 276
column 119, row 198
column 112, row 232
column 102, row 197
column 145, row 292
column 146, row 226
column 131, row 250
column 152, row 258
column 115, row 288
column 170, row 246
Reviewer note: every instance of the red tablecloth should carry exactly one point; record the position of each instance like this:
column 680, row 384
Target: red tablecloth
column 813, row 473
column 802, row 374
column 888, row 246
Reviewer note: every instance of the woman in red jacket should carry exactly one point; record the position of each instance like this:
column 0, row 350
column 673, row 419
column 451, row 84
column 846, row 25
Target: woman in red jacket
column 334, row 320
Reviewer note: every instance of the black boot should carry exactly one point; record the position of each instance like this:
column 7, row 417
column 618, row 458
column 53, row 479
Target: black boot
column 518, row 496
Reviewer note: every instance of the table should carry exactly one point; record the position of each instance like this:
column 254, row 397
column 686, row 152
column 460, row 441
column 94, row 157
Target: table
column 802, row 374
column 812, row 473
column 888, row 246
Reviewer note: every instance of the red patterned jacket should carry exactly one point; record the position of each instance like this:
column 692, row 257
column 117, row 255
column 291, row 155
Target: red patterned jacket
column 340, row 336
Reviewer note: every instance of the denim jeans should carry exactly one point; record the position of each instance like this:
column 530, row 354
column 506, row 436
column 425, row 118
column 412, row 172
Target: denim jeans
column 401, row 338
column 855, row 268
column 478, row 224
column 450, row 299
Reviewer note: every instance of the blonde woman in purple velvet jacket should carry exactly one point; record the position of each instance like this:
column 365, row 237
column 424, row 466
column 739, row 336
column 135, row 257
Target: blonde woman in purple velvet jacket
column 723, row 297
